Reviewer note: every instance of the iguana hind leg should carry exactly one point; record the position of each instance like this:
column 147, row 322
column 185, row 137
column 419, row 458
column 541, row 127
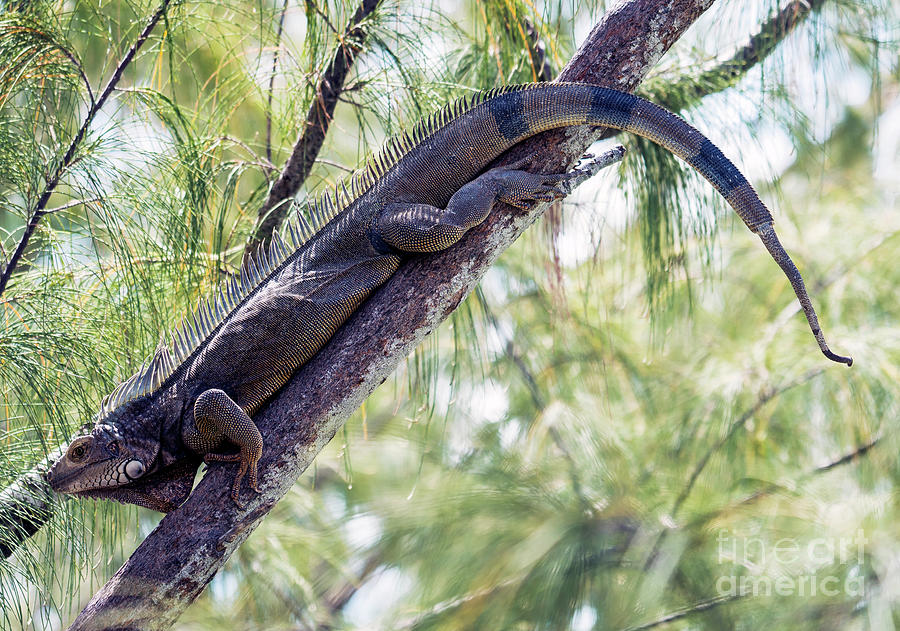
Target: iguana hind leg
column 216, row 417
column 423, row 228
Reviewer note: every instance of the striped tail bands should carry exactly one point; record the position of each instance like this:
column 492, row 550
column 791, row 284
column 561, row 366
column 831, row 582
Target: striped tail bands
column 557, row 105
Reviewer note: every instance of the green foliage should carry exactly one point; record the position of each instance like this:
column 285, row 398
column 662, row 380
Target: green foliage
column 540, row 463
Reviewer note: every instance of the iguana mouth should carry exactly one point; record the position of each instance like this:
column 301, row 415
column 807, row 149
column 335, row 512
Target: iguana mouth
column 107, row 475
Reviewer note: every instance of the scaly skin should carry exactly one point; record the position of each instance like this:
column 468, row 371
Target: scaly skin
column 146, row 450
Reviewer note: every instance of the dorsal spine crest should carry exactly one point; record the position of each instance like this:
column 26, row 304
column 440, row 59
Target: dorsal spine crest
column 209, row 315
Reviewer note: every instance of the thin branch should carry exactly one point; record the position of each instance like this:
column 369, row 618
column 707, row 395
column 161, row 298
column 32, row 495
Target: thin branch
column 689, row 90
column 272, row 85
column 706, row 605
column 767, row 395
column 315, row 127
column 75, row 62
column 442, row 608
column 541, row 66
column 258, row 159
column 540, row 405
column 69, row 157
column 700, row 607
column 336, row 599
column 336, row 165
column 72, row 204
column 853, row 456
column 758, row 48
column 537, row 398
column 324, row 17
column 176, row 561
column 68, row 55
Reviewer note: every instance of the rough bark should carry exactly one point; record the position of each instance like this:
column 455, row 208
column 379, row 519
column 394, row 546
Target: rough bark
column 176, row 561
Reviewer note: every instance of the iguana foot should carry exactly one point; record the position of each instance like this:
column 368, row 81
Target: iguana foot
column 218, row 417
column 248, row 464
column 526, row 190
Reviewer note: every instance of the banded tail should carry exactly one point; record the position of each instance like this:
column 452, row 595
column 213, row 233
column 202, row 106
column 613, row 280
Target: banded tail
column 513, row 114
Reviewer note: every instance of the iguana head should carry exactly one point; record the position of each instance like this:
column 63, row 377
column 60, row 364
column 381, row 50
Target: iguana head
column 131, row 455
column 109, row 456
column 134, row 453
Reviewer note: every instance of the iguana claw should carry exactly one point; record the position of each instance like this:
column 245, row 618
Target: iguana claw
column 248, row 464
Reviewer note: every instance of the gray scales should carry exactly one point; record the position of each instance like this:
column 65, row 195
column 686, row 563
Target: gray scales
column 195, row 398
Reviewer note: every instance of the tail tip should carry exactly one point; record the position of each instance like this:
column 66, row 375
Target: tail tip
column 838, row 358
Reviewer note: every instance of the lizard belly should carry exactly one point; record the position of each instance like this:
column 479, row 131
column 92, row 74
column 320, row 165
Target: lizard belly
column 301, row 310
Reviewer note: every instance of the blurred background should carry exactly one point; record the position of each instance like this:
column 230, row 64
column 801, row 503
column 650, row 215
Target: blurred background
column 627, row 426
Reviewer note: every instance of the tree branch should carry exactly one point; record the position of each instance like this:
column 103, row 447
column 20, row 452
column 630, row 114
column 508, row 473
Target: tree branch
column 26, row 505
column 272, row 83
column 60, row 170
column 767, row 395
column 759, row 46
column 764, row 397
column 315, row 127
column 689, row 90
column 175, row 562
column 702, row 606
column 434, row 613
column 706, row 605
column 854, row 456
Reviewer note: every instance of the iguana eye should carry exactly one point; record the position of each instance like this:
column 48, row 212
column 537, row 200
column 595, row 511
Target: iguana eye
column 113, row 448
column 76, row 452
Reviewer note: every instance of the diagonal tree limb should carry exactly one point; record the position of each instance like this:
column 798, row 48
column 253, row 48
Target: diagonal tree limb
column 315, row 127
column 433, row 614
column 689, row 90
column 764, row 397
column 852, row 457
column 337, row 599
column 21, row 516
column 680, row 614
column 27, row 504
column 69, row 157
column 176, row 561
column 706, row 605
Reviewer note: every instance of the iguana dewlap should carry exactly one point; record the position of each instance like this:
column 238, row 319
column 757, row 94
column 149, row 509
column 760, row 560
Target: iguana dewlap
column 197, row 396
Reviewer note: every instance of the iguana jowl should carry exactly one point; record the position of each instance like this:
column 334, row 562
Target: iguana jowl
column 420, row 195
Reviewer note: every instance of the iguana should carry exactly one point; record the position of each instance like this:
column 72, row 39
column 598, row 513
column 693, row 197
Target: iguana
column 197, row 395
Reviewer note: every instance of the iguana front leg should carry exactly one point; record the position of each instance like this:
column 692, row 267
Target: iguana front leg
column 423, row 228
column 217, row 417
